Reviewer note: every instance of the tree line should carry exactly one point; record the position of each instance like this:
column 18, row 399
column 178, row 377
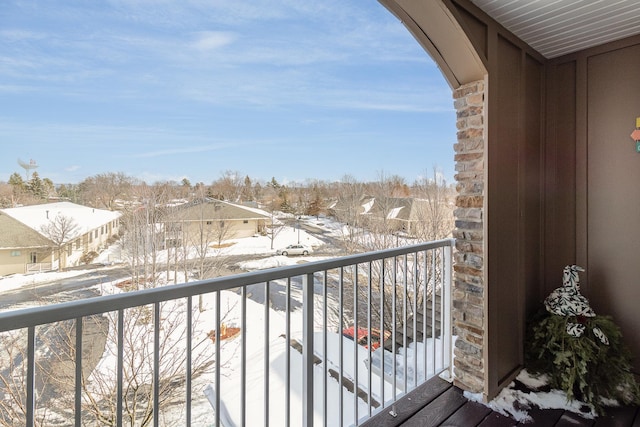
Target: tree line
column 116, row 191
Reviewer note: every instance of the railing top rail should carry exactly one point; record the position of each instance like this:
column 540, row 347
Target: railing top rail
column 34, row 316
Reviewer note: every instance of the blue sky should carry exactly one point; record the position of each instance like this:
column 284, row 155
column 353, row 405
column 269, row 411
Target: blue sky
column 167, row 89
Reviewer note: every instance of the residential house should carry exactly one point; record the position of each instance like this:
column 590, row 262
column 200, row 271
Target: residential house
column 211, row 219
column 414, row 217
column 51, row 236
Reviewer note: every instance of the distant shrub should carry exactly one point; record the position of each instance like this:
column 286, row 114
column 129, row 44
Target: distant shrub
column 88, row 257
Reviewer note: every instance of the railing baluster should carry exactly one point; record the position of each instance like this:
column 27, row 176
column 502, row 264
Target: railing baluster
column 394, row 295
column 370, row 344
column 382, row 328
column 324, row 347
column 120, row 368
column 266, row 352
column 31, row 375
column 78, row 385
column 156, row 364
column 425, row 309
column 414, row 269
column 434, row 297
column 405, row 311
column 189, row 361
column 341, row 345
column 287, row 310
column 218, row 358
column 307, row 350
column 356, row 339
column 243, row 357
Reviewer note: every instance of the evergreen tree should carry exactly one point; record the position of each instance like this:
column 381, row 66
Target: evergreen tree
column 36, row 186
column 16, row 180
column 48, row 187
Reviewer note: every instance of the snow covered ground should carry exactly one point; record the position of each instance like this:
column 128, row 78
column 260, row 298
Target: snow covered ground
column 514, row 402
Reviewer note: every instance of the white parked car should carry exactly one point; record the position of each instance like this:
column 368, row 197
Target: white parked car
column 295, row 250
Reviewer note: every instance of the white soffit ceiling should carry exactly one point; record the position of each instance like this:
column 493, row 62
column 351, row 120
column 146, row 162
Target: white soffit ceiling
column 559, row 27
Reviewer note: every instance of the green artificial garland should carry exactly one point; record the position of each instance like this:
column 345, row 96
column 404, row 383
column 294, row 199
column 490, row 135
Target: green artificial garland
column 583, row 367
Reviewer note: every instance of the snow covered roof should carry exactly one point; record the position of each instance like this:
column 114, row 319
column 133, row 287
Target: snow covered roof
column 38, row 216
column 367, row 206
column 393, row 213
column 218, row 209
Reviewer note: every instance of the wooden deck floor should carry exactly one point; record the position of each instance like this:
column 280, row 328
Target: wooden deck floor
column 438, row 403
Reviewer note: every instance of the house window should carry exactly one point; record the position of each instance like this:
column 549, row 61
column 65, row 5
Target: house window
column 96, row 234
column 15, row 253
column 221, row 224
column 246, row 221
column 33, row 257
column 69, row 249
column 209, row 222
column 78, row 243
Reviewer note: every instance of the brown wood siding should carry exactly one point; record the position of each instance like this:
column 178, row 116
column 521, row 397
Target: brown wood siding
column 560, row 174
column 532, row 150
column 503, row 211
column 613, row 182
column 595, row 104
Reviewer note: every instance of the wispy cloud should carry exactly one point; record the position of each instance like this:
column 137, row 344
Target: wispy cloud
column 212, row 40
column 185, row 150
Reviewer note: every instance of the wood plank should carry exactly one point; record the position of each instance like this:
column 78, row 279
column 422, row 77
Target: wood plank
column 438, row 410
column 617, row 417
column 636, row 422
column 497, row 420
column 543, row 417
column 409, row 404
column 571, row 419
column 469, row 414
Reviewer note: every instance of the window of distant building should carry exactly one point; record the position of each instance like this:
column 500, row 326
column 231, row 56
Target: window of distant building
column 209, row 222
column 15, row 253
column 96, row 234
column 33, row 257
column 246, row 221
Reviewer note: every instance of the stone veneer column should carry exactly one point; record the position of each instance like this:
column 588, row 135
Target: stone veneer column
column 468, row 287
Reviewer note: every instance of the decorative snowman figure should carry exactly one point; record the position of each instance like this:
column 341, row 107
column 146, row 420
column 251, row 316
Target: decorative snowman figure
column 567, row 301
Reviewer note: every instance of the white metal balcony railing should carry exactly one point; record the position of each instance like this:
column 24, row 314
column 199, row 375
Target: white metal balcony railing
column 289, row 364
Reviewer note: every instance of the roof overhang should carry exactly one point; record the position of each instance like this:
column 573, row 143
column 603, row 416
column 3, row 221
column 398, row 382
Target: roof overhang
column 560, row 27
column 439, row 33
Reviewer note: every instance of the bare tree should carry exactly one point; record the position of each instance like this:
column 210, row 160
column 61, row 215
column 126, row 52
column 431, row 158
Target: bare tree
column 436, row 207
column 145, row 234
column 60, row 230
column 228, row 187
column 348, row 209
column 103, row 190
